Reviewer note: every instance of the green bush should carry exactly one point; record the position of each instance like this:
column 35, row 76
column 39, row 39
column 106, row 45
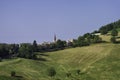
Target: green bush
column 51, row 72
column 113, row 39
column 13, row 74
column 78, row 71
column 68, row 74
column 114, row 32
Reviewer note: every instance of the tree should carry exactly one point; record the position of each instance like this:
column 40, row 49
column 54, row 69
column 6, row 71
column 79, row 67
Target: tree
column 97, row 39
column 51, row 72
column 75, row 42
column 103, row 32
column 4, row 50
column 113, row 39
column 69, row 44
column 45, row 46
column 82, row 41
column 114, row 32
column 0, row 59
column 60, row 43
column 52, row 45
column 39, row 48
column 35, row 46
column 26, row 51
column 87, row 35
column 13, row 51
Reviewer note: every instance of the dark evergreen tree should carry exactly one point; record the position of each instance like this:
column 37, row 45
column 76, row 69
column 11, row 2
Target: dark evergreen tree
column 35, row 46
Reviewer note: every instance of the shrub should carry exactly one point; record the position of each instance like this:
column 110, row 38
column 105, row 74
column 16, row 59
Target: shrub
column 68, row 74
column 51, row 72
column 13, row 73
column 113, row 39
column 114, row 32
column 78, row 71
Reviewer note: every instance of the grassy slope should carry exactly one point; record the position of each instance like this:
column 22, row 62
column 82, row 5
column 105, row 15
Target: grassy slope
column 70, row 60
column 29, row 69
column 85, row 58
column 108, row 68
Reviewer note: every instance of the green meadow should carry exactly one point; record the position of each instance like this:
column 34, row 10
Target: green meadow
column 96, row 62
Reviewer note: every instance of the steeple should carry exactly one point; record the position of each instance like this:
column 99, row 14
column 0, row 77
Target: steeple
column 54, row 37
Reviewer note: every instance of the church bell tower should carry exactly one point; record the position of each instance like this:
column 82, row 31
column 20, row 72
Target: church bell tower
column 55, row 38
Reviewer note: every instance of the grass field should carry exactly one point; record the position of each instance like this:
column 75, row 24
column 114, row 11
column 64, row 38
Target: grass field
column 96, row 62
column 108, row 68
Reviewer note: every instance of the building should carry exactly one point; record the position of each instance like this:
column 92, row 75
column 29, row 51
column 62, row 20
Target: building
column 55, row 39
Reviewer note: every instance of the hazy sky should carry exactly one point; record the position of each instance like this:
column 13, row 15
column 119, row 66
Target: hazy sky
column 28, row 20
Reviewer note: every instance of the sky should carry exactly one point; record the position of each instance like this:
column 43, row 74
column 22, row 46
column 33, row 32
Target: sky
column 28, row 20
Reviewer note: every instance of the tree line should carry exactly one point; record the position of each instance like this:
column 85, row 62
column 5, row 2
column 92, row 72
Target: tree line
column 106, row 28
column 27, row 50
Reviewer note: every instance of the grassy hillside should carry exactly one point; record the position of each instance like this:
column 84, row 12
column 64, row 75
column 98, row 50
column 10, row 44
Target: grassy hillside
column 96, row 62
column 108, row 68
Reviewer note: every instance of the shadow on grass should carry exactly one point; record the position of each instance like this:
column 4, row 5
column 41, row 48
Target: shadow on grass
column 3, row 77
column 43, row 54
column 41, row 59
column 117, row 42
column 18, row 76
